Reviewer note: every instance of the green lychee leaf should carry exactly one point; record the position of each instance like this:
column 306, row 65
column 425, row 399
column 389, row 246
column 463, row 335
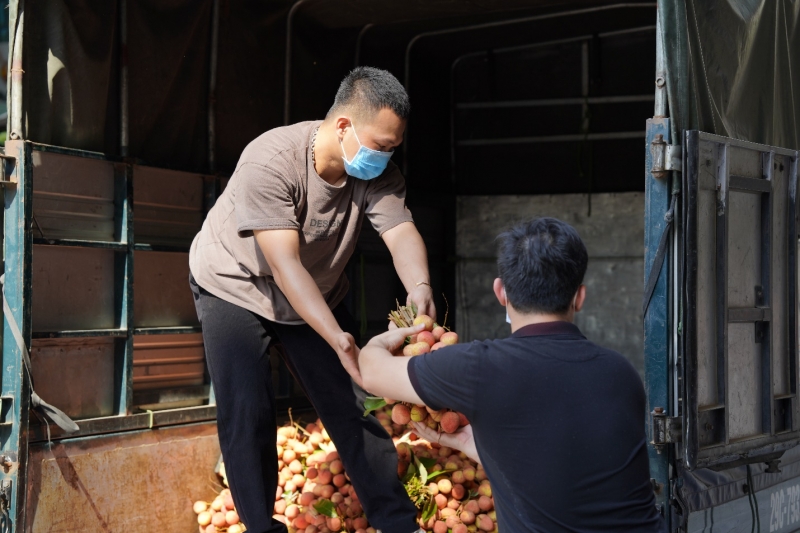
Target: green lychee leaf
column 439, row 472
column 429, row 510
column 414, row 308
column 326, row 508
column 372, row 403
column 429, row 462
column 412, row 472
column 423, row 472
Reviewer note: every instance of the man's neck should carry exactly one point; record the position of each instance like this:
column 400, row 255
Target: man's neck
column 520, row 320
column 328, row 155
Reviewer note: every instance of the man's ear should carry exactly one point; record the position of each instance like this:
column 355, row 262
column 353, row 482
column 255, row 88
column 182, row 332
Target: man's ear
column 500, row 292
column 580, row 298
column 342, row 123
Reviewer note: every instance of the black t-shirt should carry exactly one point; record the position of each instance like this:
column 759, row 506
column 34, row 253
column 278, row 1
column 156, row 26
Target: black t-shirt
column 558, row 424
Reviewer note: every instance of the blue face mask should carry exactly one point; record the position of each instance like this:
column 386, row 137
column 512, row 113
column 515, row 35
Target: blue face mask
column 366, row 164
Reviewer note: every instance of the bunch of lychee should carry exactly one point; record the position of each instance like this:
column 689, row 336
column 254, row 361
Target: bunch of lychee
column 432, row 338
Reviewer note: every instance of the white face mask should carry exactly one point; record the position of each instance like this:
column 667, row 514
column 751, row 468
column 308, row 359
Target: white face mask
column 508, row 318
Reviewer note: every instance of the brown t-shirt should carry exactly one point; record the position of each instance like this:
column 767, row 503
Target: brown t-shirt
column 275, row 186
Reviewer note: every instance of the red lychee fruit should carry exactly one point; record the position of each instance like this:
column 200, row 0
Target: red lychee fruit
column 451, row 337
column 424, row 319
column 449, row 422
column 426, row 337
column 401, row 414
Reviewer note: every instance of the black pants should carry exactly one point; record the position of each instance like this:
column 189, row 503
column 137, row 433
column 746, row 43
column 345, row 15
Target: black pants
column 236, row 344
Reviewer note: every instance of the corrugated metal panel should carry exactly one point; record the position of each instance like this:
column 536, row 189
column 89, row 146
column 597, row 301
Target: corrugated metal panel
column 73, row 197
column 168, row 361
column 168, row 205
column 161, row 295
column 73, row 288
column 75, row 375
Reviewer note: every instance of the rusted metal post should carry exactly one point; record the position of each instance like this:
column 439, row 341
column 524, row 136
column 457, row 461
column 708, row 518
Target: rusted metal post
column 17, row 24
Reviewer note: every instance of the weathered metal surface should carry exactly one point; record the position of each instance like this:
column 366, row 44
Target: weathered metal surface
column 657, row 354
column 60, row 374
column 161, row 293
column 135, row 482
column 740, row 351
column 73, row 197
column 73, row 288
column 613, row 235
column 17, row 258
column 167, row 361
column 168, row 205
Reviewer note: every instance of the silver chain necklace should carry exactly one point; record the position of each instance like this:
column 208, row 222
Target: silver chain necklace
column 313, row 142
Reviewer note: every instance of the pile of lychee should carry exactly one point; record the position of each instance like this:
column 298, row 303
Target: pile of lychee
column 314, row 494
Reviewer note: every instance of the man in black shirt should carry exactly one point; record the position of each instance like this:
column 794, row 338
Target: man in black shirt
column 558, row 421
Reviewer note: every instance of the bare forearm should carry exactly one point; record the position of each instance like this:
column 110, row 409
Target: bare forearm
column 385, row 375
column 409, row 255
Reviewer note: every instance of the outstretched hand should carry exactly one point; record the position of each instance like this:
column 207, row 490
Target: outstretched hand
column 346, row 349
column 422, row 296
column 392, row 340
column 462, row 440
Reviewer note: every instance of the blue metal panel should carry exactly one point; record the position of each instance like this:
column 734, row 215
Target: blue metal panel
column 17, row 255
column 656, row 321
column 124, row 289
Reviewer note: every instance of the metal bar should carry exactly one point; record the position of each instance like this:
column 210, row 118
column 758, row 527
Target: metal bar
column 141, row 346
column 554, row 138
column 143, row 247
column 359, row 40
column 690, row 366
column 77, row 333
column 722, row 281
column 767, row 385
column 287, row 80
column 17, row 260
column 750, row 184
column 212, row 87
column 424, row 35
column 792, row 273
column 660, row 107
column 168, row 361
column 656, row 321
column 749, row 314
column 16, row 122
column 517, row 48
column 117, row 246
column 557, row 102
column 123, row 78
column 167, row 330
column 63, row 150
column 132, row 422
column 124, row 281
column 166, row 377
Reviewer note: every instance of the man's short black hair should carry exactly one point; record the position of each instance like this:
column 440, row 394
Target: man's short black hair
column 369, row 90
column 542, row 263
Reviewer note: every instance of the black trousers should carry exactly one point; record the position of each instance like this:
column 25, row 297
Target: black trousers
column 236, row 345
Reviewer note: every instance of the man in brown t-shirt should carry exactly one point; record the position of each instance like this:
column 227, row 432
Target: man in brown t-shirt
column 268, row 267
